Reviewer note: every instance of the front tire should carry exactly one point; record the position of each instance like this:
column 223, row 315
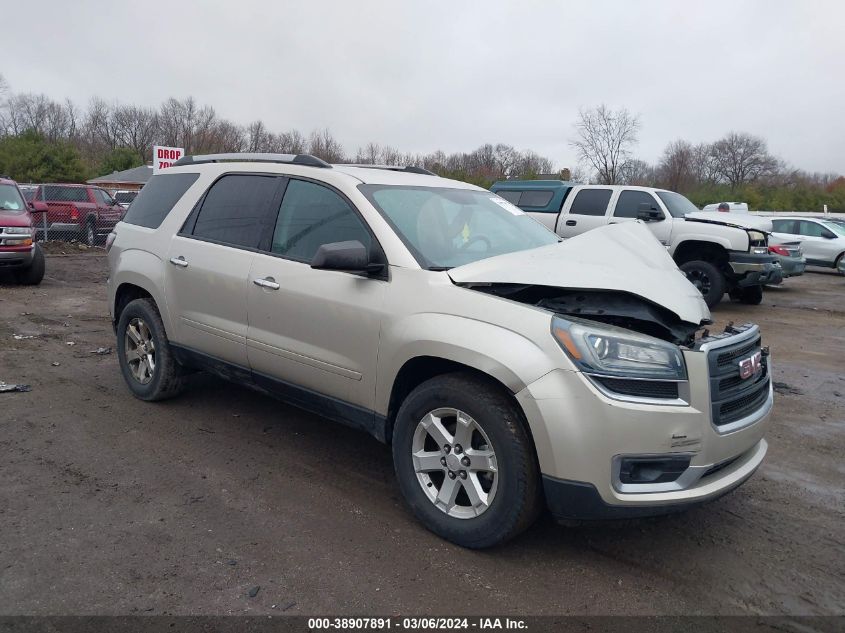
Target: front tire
column 752, row 295
column 149, row 368
column 707, row 278
column 33, row 275
column 464, row 461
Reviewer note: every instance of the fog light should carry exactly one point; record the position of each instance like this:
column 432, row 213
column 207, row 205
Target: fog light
column 652, row 470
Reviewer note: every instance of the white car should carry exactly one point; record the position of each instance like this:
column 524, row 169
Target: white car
column 822, row 241
column 125, row 197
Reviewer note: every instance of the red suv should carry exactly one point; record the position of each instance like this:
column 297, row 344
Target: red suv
column 19, row 253
column 78, row 212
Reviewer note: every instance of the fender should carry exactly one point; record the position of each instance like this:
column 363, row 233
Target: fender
column 145, row 270
column 509, row 357
column 737, row 240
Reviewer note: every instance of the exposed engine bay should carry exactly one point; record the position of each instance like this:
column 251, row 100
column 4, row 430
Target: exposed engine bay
column 607, row 306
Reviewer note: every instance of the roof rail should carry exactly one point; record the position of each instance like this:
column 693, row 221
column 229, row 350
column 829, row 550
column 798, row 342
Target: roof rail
column 411, row 169
column 253, row 157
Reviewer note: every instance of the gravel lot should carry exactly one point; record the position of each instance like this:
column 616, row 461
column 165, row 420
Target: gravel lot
column 109, row 505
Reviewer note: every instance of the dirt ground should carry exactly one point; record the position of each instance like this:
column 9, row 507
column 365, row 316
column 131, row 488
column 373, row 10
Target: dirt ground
column 109, row 505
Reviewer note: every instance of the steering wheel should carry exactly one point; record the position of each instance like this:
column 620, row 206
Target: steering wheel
column 477, row 238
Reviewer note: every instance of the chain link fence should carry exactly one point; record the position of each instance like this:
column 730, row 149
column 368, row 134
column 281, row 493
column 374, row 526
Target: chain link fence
column 83, row 214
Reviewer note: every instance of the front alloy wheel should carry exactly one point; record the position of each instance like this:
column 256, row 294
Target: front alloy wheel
column 455, row 463
column 464, row 461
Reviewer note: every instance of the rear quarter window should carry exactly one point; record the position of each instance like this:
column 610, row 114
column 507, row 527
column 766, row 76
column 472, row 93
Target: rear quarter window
column 157, row 198
column 535, row 198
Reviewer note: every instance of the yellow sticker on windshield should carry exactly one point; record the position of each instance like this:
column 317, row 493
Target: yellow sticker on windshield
column 465, row 233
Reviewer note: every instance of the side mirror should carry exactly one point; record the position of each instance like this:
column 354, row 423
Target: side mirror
column 351, row 256
column 829, row 235
column 647, row 213
column 38, row 206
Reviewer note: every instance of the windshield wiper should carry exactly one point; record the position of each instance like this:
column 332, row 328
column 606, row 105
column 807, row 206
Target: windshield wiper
column 439, row 269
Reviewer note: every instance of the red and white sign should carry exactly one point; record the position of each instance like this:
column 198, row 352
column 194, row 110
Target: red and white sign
column 164, row 157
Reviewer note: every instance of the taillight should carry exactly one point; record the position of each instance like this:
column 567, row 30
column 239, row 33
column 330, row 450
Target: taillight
column 110, row 240
column 74, row 213
column 779, row 250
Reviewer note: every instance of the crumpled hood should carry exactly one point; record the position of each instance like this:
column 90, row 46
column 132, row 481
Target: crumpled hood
column 742, row 220
column 625, row 257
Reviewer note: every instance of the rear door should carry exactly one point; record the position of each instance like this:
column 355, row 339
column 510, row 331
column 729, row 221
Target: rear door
column 208, row 265
column 586, row 208
column 627, row 208
column 315, row 333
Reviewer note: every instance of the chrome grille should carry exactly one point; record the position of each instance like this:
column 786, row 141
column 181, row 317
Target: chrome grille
column 733, row 397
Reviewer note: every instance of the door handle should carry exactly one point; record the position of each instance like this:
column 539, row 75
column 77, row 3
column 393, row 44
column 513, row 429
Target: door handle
column 267, row 282
column 179, row 261
column 571, row 223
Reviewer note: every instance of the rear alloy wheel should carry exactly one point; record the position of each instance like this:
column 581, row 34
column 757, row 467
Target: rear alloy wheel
column 707, row 278
column 464, row 461
column 90, row 234
column 149, row 368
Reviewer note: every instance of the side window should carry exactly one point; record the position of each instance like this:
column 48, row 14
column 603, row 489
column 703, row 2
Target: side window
column 628, row 205
column 535, row 198
column 157, row 198
column 236, row 210
column 591, row 202
column 810, row 229
column 103, row 197
column 784, row 226
column 510, row 196
column 312, row 215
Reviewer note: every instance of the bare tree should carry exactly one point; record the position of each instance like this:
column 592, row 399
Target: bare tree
column 676, row 170
column 637, row 173
column 323, row 145
column 605, row 139
column 740, row 158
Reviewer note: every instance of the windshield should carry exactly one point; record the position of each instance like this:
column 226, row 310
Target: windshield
column 445, row 228
column 125, row 196
column 837, row 228
column 677, row 204
column 10, row 199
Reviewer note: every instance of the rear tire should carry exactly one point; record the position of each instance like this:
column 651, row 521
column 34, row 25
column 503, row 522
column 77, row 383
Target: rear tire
column 33, row 275
column 149, row 368
column 707, row 278
column 90, row 233
column 837, row 263
column 751, row 295
column 496, row 489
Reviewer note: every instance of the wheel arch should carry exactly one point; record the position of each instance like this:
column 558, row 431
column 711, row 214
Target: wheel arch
column 132, row 285
column 692, row 250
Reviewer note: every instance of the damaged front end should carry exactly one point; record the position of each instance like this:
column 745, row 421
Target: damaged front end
column 615, row 308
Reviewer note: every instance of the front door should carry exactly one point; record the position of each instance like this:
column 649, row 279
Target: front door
column 627, row 209
column 314, row 333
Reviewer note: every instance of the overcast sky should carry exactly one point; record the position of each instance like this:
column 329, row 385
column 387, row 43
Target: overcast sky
column 455, row 74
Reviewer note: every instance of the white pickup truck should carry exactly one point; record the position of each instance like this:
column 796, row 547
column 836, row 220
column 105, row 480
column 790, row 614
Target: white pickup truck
column 719, row 253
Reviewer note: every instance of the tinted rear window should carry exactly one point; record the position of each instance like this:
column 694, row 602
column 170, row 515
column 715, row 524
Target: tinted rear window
column 157, row 198
column 510, row 196
column 535, row 198
column 591, row 202
column 66, row 194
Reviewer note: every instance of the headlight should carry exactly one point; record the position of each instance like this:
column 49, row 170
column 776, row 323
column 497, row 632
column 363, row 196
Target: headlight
column 16, row 230
column 611, row 351
column 759, row 250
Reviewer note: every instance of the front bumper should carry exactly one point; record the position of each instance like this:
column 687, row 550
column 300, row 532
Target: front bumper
column 581, row 435
column 754, row 270
column 16, row 258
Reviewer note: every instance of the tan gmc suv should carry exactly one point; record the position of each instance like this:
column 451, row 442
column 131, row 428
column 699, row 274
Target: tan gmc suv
column 508, row 369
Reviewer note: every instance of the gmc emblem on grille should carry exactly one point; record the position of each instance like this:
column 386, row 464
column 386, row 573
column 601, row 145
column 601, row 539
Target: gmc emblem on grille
column 750, row 366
